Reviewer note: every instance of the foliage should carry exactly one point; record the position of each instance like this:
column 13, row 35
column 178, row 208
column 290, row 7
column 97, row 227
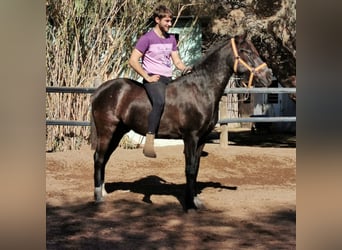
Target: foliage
column 87, row 43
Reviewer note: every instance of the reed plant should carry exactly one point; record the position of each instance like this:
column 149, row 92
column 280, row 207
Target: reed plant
column 87, row 43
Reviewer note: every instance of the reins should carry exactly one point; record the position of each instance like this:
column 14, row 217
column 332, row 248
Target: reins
column 238, row 59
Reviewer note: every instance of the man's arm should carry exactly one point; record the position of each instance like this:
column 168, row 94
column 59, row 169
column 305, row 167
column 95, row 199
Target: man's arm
column 179, row 63
column 135, row 64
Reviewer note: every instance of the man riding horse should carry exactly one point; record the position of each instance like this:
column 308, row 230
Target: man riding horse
column 156, row 48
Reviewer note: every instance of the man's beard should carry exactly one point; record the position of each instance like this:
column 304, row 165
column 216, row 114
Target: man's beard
column 164, row 29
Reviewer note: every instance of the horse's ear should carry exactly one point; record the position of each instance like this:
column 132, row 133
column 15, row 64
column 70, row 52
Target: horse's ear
column 241, row 38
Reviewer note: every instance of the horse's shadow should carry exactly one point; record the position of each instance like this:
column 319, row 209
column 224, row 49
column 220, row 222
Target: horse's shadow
column 154, row 185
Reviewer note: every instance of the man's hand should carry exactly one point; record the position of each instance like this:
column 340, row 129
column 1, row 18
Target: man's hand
column 152, row 78
column 186, row 70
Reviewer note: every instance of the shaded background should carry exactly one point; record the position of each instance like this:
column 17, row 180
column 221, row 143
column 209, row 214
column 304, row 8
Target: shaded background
column 22, row 143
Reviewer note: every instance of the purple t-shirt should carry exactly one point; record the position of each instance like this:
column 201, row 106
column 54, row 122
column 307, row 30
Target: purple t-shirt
column 157, row 53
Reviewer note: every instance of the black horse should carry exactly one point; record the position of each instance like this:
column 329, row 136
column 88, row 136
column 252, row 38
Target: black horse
column 190, row 112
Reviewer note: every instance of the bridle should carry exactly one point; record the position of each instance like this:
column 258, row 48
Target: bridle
column 251, row 69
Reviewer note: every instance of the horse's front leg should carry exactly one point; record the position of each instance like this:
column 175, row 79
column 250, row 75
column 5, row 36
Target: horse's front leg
column 197, row 201
column 192, row 160
column 99, row 175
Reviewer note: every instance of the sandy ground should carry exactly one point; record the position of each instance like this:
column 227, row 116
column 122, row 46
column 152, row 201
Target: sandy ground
column 249, row 192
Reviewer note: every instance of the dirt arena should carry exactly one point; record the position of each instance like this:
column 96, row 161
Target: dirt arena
column 248, row 189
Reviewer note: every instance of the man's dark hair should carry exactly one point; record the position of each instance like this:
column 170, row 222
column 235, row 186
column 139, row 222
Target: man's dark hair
column 162, row 11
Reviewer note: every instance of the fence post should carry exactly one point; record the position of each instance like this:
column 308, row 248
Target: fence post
column 224, row 126
column 93, row 140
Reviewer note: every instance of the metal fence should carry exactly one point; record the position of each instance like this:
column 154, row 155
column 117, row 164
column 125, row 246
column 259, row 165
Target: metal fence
column 260, row 118
column 225, row 120
column 76, row 90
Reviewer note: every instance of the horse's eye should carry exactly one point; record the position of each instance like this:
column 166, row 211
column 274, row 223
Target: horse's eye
column 248, row 52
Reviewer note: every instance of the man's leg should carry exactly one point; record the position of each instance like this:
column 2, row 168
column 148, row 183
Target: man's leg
column 156, row 92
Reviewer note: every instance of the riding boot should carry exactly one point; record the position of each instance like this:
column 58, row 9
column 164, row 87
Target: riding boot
column 148, row 150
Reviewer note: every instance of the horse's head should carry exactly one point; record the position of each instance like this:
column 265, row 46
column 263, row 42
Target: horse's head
column 248, row 64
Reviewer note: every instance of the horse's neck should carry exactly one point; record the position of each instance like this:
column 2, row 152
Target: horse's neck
column 218, row 70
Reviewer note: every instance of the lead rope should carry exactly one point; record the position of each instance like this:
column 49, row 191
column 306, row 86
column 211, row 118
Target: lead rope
column 251, row 69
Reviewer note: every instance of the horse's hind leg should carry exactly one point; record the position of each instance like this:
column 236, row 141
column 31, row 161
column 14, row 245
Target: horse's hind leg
column 193, row 149
column 106, row 144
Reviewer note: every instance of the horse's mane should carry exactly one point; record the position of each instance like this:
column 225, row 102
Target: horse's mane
column 212, row 49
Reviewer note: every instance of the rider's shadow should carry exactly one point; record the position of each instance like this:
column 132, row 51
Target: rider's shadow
column 154, row 185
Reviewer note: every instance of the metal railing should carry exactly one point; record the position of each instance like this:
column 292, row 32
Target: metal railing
column 225, row 120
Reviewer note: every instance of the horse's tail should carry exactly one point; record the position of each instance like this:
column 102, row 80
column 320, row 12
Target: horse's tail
column 93, row 97
column 93, row 137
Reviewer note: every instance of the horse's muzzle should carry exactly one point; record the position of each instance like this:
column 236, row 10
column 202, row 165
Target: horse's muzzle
column 264, row 77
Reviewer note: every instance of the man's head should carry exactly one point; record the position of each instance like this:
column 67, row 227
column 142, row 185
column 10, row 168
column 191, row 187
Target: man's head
column 162, row 11
column 162, row 17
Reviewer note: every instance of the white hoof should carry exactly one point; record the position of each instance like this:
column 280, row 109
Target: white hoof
column 198, row 203
column 104, row 192
column 98, row 194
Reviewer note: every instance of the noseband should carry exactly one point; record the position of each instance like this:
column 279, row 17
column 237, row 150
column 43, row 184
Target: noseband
column 251, row 69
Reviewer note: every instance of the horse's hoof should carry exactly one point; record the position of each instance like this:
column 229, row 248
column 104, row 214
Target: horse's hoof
column 198, row 203
column 99, row 201
column 104, row 192
column 99, row 194
column 194, row 204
